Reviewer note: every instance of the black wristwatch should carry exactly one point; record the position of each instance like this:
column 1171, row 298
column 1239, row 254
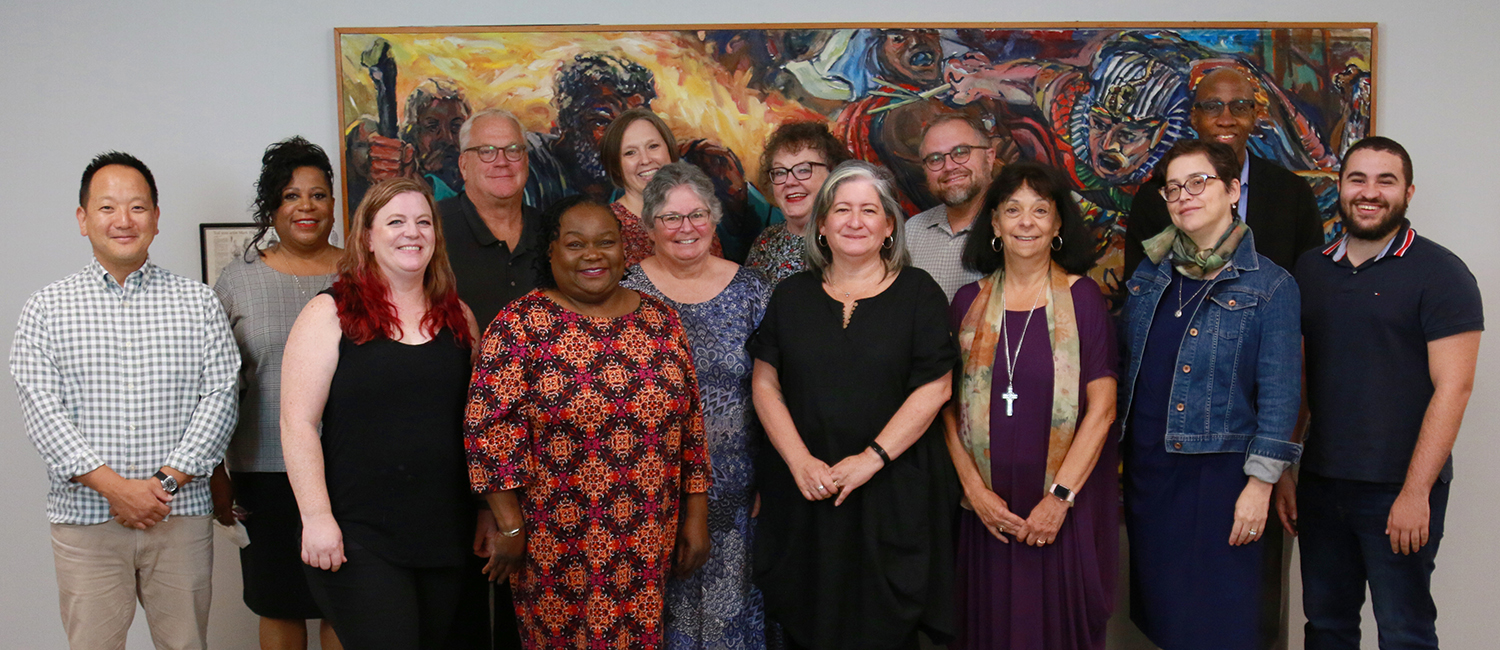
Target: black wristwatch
column 168, row 482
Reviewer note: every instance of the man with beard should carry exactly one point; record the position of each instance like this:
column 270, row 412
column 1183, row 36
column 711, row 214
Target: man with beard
column 960, row 161
column 1277, row 205
column 592, row 90
column 1390, row 324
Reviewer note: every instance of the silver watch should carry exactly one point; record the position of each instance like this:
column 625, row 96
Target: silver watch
column 1063, row 493
column 168, row 482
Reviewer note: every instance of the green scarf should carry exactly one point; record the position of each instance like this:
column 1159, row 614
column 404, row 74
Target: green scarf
column 977, row 338
column 1187, row 258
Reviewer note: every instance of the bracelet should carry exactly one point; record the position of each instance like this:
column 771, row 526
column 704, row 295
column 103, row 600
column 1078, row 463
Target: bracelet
column 513, row 533
column 885, row 459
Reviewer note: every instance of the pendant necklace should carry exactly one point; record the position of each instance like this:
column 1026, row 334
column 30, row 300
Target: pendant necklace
column 1010, row 364
column 1180, row 303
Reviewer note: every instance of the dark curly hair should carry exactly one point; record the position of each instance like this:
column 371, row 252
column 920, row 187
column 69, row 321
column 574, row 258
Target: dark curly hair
column 1077, row 253
column 796, row 136
column 278, row 164
column 550, row 225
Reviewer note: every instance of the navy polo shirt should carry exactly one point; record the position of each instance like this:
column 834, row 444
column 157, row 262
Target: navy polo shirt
column 1365, row 332
column 489, row 273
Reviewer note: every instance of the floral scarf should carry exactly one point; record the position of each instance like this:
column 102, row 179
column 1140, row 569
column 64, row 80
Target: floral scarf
column 1187, row 258
column 977, row 338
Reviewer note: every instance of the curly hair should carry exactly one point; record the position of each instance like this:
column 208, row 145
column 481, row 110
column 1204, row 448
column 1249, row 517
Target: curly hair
column 549, row 227
column 277, row 166
column 1076, row 255
column 793, row 137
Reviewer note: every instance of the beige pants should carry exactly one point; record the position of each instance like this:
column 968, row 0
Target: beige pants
column 102, row 569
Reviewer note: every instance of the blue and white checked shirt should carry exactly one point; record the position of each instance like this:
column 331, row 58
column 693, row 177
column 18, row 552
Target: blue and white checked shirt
column 134, row 377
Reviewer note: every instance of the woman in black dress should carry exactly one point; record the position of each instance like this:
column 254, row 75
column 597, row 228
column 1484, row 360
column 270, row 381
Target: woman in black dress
column 853, row 360
column 381, row 362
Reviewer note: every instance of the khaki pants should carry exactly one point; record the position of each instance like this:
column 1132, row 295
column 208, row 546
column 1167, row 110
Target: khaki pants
column 102, row 569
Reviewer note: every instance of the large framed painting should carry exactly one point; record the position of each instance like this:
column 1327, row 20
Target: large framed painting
column 1101, row 103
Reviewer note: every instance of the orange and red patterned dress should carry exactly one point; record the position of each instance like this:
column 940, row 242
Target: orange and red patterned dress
column 596, row 421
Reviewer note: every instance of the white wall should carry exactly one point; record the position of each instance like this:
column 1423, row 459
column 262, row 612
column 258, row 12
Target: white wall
column 198, row 89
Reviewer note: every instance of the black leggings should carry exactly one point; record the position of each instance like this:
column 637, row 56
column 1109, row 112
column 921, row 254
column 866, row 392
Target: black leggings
column 375, row 605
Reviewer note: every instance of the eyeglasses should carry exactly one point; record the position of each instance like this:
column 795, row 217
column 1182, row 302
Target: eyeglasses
column 959, row 154
column 673, row 221
column 800, row 171
column 488, row 153
column 1237, row 108
column 1194, row 186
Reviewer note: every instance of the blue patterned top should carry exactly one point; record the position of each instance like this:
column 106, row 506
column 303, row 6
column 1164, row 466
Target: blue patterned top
column 718, row 606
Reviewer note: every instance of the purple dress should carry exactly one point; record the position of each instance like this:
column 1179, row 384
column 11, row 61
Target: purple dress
column 1059, row 596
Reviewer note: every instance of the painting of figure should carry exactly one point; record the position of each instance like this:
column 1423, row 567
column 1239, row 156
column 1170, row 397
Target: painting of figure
column 1100, row 104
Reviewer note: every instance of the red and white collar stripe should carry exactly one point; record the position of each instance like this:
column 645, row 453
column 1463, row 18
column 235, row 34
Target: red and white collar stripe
column 1339, row 248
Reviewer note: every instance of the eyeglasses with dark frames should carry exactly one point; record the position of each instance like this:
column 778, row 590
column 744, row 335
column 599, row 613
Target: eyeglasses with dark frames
column 488, row 152
column 673, row 221
column 1194, row 186
column 800, row 171
column 959, row 154
column 1237, row 108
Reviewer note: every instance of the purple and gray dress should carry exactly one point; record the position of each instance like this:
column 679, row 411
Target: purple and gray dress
column 1058, row 596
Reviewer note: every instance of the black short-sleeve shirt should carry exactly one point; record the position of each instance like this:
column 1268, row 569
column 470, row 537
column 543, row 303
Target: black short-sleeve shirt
column 1365, row 332
column 489, row 273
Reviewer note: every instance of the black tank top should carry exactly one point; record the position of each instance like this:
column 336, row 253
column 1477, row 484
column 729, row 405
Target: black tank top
column 393, row 450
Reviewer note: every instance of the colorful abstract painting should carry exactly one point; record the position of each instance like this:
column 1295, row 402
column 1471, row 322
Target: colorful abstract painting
column 1102, row 104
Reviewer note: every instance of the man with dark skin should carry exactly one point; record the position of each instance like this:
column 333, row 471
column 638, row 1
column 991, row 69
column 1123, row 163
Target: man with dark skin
column 1277, row 205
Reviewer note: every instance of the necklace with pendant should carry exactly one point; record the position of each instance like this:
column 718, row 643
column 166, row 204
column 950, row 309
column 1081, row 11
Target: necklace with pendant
column 1180, row 303
column 1010, row 395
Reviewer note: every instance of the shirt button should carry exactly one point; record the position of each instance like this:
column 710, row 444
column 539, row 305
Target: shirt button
column 1181, row 407
column 1193, row 331
column 1187, row 368
column 132, row 467
column 1177, row 445
column 132, row 427
column 129, row 386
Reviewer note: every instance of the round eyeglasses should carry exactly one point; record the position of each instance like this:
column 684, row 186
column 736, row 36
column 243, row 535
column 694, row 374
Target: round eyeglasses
column 959, row 154
column 1194, row 186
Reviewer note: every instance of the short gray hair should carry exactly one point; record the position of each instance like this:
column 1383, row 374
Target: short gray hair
column 818, row 254
column 671, row 177
column 463, row 131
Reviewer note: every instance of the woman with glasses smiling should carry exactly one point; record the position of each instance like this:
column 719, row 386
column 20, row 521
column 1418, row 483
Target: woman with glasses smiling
column 1209, row 400
column 720, row 304
column 795, row 162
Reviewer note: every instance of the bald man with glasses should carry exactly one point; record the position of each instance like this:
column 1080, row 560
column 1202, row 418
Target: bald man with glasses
column 1278, row 205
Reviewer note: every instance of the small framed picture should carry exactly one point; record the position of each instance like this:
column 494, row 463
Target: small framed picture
column 222, row 243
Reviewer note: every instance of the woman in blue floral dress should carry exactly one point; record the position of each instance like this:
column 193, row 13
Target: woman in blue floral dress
column 719, row 303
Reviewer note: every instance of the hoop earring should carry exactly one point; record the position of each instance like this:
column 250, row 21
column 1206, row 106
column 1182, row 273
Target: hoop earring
column 1057, row 242
column 822, row 241
column 997, row 244
column 888, row 242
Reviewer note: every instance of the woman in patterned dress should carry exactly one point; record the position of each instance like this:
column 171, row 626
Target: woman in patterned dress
column 720, row 304
column 585, row 433
column 796, row 161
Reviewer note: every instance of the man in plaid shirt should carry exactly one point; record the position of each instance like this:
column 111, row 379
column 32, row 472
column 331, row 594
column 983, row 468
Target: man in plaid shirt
column 126, row 374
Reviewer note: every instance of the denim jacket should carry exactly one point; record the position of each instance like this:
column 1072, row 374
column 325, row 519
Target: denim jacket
column 1237, row 378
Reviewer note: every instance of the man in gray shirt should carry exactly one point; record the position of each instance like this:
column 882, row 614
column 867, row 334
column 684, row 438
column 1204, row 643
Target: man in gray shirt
column 960, row 163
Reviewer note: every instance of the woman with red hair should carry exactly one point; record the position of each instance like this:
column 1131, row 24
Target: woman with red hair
column 374, row 380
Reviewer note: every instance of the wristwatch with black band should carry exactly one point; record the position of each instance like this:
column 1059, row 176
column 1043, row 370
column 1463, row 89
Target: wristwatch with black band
column 168, row 482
